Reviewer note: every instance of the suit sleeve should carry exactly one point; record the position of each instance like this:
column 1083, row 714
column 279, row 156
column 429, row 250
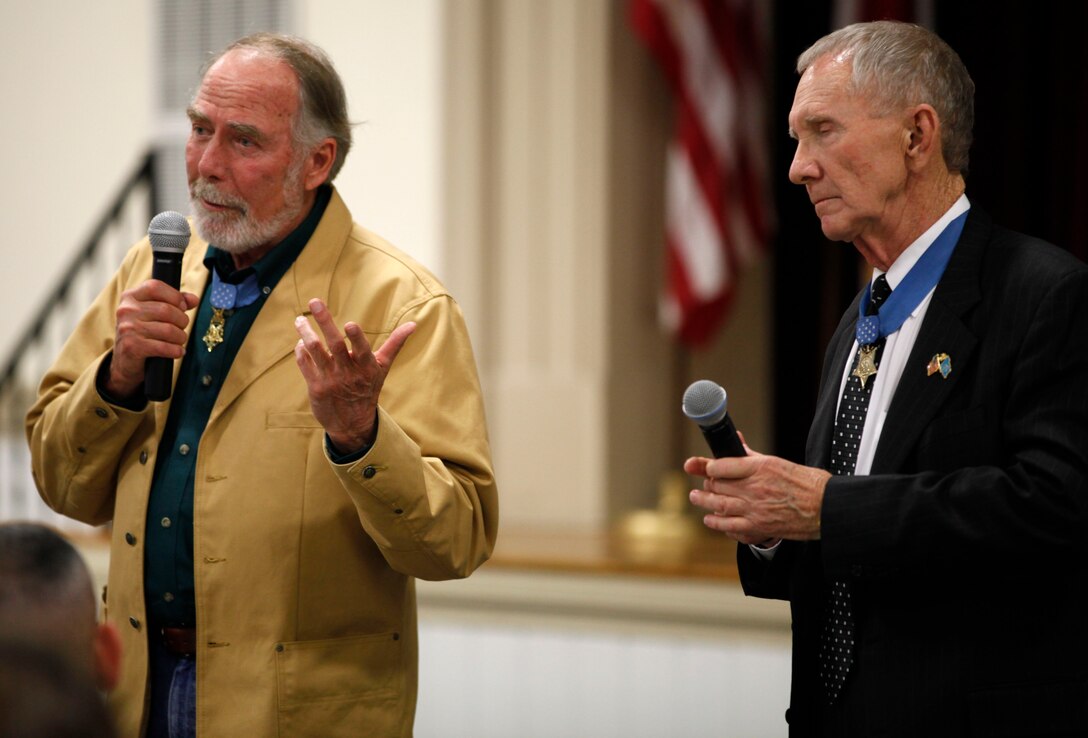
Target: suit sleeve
column 425, row 491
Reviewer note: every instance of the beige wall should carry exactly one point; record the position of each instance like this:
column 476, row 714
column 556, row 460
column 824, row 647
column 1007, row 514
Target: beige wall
column 389, row 55
column 75, row 85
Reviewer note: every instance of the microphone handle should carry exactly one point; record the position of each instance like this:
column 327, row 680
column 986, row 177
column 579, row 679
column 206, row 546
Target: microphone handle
column 723, row 439
column 159, row 370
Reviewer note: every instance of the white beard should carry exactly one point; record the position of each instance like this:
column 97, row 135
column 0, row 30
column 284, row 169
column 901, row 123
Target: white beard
column 236, row 231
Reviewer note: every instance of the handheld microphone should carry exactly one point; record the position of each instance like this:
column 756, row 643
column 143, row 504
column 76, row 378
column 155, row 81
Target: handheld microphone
column 705, row 403
column 169, row 235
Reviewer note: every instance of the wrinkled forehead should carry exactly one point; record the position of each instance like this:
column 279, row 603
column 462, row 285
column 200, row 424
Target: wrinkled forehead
column 250, row 77
column 823, row 91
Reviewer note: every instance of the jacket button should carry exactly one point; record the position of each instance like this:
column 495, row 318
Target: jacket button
column 134, row 623
column 369, row 472
column 101, row 412
column 279, row 648
column 143, row 457
column 130, row 539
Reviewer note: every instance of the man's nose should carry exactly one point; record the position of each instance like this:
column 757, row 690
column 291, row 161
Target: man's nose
column 212, row 162
column 803, row 168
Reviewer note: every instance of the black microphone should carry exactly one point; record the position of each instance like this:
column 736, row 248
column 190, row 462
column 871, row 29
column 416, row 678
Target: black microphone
column 705, row 402
column 169, row 235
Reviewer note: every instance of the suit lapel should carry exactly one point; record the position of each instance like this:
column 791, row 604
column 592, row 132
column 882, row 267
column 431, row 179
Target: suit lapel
column 919, row 396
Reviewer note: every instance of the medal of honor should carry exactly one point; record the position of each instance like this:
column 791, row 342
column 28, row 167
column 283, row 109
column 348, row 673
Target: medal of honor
column 214, row 335
column 866, row 363
column 224, row 299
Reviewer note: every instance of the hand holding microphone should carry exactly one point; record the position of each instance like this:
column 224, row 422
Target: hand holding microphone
column 151, row 318
column 758, row 500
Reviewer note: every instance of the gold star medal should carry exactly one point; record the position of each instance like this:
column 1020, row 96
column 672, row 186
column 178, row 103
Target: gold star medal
column 225, row 299
column 214, row 335
column 866, row 363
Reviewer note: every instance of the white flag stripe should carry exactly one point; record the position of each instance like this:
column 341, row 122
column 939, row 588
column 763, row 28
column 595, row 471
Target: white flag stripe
column 693, row 229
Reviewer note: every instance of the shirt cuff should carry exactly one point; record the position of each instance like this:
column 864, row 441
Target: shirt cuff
column 765, row 553
column 339, row 458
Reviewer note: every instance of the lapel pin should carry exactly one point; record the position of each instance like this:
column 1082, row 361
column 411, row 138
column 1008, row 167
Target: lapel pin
column 940, row 363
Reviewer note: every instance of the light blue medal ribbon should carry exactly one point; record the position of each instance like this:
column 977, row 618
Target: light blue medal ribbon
column 226, row 297
column 921, row 278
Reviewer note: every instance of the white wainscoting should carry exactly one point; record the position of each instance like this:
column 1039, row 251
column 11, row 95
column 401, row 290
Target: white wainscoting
column 538, row 655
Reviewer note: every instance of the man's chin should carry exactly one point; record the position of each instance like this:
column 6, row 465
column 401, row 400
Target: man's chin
column 836, row 231
column 222, row 235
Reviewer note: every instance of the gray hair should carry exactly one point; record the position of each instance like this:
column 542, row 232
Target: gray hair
column 903, row 64
column 322, row 101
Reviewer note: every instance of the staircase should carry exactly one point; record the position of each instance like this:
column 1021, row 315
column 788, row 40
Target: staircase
column 124, row 223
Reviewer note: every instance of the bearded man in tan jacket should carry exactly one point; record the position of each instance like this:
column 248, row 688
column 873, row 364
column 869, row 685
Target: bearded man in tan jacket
column 268, row 520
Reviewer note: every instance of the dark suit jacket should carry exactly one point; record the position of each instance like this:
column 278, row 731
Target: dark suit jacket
column 966, row 548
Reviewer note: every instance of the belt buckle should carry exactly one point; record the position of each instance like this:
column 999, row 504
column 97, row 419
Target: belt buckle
column 179, row 641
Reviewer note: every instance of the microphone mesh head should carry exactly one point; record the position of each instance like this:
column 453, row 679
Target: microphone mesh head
column 704, row 402
column 169, row 231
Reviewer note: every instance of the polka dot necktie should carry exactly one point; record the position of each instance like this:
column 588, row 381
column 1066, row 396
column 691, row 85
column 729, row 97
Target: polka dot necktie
column 837, row 634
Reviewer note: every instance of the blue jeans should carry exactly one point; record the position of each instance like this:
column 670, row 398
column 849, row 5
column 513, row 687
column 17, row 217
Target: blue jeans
column 173, row 692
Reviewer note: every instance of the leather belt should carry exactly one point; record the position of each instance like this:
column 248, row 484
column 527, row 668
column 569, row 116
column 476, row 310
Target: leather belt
column 179, row 641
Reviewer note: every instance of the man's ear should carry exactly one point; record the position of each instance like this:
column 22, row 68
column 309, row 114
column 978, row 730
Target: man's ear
column 107, row 655
column 924, row 134
column 319, row 163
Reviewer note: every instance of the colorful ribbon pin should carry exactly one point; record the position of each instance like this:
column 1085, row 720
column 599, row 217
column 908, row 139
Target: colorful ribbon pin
column 940, row 363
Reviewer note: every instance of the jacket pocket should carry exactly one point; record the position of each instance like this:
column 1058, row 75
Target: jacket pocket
column 341, row 686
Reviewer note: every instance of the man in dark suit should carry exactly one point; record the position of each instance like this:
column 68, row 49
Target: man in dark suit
column 935, row 544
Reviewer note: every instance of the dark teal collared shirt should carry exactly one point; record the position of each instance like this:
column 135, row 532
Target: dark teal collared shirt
column 168, row 573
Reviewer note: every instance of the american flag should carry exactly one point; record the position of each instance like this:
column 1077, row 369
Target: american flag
column 717, row 204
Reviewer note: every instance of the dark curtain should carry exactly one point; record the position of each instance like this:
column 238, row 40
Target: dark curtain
column 1029, row 168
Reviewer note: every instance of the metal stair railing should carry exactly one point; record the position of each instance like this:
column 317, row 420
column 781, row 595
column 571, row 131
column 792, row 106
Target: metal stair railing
column 123, row 223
